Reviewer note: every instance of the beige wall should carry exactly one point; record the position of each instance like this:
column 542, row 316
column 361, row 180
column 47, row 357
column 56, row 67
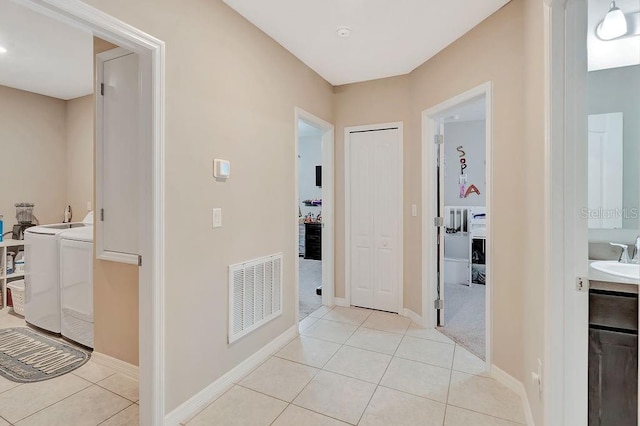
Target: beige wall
column 79, row 152
column 115, row 291
column 533, row 277
column 492, row 51
column 237, row 103
column 32, row 137
column 372, row 102
column 233, row 100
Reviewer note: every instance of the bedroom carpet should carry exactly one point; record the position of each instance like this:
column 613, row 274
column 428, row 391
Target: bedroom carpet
column 310, row 278
column 464, row 316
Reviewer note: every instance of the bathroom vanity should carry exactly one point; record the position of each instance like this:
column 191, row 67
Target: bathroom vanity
column 613, row 350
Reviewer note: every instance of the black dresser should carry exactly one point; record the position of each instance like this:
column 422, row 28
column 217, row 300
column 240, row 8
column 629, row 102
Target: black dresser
column 313, row 241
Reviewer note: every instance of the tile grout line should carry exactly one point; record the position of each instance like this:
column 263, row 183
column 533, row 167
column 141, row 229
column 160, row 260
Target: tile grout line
column 58, row 401
column 379, row 381
column 125, row 408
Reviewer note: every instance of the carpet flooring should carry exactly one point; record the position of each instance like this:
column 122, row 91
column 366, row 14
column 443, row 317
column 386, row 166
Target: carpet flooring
column 310, row 278
column 464, row 319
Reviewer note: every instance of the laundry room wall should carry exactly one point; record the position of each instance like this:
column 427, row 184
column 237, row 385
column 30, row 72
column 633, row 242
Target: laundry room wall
column 79, row 151
column 33, row 153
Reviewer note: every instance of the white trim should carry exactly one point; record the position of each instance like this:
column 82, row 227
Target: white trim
column 190, row 408
column 516, row 387
column 151, row 53
column 429, row 208
column 117, row 365
column 413, row 317
column 565, row 377
column 347, row 209
column 340, row 301
column 328, row 209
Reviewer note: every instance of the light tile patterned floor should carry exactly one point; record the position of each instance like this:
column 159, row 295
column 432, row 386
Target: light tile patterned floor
column 361, row 367
column 91, row 395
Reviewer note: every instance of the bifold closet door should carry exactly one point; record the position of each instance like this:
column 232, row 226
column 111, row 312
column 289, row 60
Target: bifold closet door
column 375, row 218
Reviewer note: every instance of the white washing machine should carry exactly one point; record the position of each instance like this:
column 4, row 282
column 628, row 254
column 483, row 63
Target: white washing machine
column 76, row 285
column 42, row 273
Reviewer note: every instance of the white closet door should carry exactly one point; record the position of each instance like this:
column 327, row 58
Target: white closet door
column 361, row 222
column 376, row 218
column 117, row 160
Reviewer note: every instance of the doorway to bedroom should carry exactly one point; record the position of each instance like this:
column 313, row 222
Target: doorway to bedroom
column 309, row 217
column 460, row 189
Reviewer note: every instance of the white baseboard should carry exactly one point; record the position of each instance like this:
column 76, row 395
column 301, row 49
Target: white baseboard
column 340, row 301
column 515, row 386
column 413, row 316
column 198, row 402
column 116, row 364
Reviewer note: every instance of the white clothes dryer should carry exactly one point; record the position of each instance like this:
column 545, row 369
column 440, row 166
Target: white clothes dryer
column 42, row 273
column 76, row 285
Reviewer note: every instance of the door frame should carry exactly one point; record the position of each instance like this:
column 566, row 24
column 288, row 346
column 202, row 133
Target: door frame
column 565, row 376
column 151, row 220
column 430, row 127
column 328, row 245
column 347, row 210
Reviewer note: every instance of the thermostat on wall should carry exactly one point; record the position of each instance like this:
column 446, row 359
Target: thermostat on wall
column 221, row 168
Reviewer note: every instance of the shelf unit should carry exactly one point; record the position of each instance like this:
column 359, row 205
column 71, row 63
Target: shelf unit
column 5, row 247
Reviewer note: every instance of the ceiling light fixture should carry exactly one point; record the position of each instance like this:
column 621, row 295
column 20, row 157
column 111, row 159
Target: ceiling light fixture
column 344, row 31
column 3, row 50
column 613, row 25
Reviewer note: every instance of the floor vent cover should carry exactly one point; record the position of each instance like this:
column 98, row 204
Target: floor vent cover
column 255, row 294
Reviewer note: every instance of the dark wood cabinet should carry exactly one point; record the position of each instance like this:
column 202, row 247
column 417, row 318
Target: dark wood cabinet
column 613, row 359
column 313, row 241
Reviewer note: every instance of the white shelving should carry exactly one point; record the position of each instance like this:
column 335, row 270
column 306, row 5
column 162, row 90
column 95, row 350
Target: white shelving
column 5, row 247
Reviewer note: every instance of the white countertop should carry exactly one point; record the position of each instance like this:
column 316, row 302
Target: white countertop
column 8, row 242
column 595, row 275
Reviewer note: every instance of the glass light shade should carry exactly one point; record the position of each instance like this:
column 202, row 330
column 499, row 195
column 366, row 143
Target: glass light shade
column 614, row 24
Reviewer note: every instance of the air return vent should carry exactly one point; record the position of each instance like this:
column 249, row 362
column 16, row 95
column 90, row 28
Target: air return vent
column 255, row 294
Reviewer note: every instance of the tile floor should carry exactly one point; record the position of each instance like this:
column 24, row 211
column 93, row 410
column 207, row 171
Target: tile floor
column 362, row 367
column 90, row 395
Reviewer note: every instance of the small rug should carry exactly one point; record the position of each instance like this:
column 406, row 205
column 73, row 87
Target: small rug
column 27, row 356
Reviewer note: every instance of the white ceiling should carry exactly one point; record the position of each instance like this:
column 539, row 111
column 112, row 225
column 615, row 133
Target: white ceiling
column 43, row 55
column 388, row 38
column 614, row 53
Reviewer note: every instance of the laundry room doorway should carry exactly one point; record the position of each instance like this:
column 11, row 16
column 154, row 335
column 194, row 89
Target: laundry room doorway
column 314, row 212
column 457, row 237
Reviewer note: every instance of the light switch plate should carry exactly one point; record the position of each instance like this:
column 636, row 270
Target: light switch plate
column 414, row 210
column 217, row 218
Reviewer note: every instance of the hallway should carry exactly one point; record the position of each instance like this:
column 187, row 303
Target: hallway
column 362, row 367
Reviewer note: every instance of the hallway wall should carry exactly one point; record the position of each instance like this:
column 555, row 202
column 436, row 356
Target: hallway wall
column 492, row 51
column 230, row 93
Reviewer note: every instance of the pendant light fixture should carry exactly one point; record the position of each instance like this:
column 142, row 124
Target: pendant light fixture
column 613, row 25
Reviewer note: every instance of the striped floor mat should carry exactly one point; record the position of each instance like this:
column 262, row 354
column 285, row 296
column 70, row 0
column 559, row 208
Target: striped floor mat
column 27, row 356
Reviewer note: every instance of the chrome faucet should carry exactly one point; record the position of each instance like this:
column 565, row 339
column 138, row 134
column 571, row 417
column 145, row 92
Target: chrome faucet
column 636, row 251
column 624, row 256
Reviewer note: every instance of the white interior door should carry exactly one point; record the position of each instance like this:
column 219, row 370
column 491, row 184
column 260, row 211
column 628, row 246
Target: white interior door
column 375, row 217
column 440, row 232
column 117, row 160
column 605, row 169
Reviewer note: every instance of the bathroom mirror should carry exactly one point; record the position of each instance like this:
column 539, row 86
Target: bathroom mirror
column 613, row 107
